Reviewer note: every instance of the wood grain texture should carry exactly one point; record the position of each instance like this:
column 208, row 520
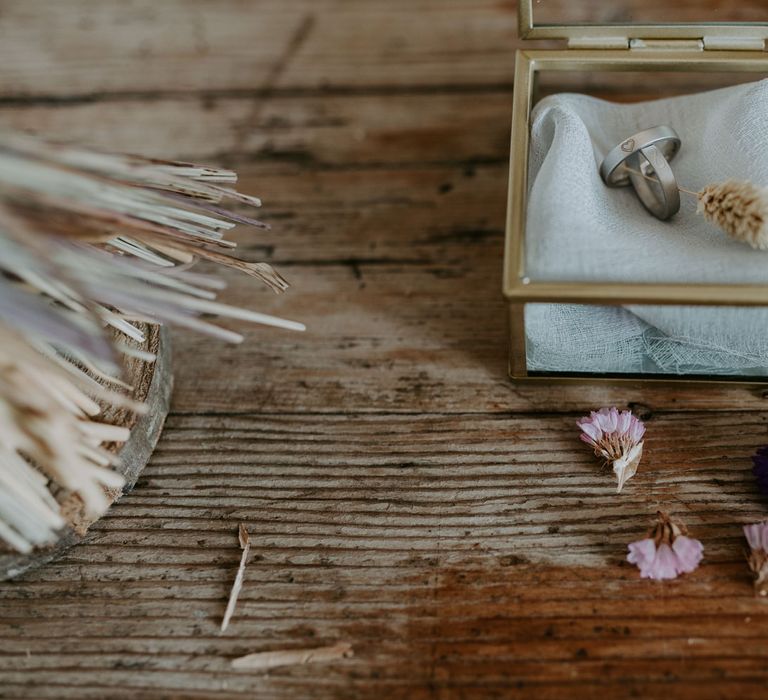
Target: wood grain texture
column 83, row 47
column 488, row 560
column 401, row 494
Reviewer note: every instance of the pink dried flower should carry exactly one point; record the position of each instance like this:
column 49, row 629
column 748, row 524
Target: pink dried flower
column 616, row 437
column 757, row 537
column 667, row 551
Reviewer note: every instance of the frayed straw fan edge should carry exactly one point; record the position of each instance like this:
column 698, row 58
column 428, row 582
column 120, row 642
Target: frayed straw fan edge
column 154, row 383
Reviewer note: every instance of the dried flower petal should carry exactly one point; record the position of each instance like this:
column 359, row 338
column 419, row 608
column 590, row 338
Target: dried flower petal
column 760, row 469
column 667, row 552
column 757, row 537
column 689, row 553
column 617, row 438
column 665, row 563
column 642, row 553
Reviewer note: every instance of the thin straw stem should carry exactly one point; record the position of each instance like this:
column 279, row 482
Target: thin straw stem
column 653, row 179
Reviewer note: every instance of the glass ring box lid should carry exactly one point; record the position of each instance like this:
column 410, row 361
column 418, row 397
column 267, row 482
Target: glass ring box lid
column 598, row 286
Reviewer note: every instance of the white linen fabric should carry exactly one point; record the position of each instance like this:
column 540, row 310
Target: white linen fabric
column 580, row 230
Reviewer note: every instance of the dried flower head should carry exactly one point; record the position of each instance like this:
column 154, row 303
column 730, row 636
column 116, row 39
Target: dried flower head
column 667, row 551
column 739, row 208
column 757, row 537
column 617, row 438
column 760, row 469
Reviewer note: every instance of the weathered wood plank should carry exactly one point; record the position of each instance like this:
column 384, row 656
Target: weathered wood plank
column 458, row 553
column 316, row 131
column 91, row 47
column 96, row 49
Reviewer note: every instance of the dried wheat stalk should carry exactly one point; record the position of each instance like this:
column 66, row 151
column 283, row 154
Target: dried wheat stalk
column 739, row 208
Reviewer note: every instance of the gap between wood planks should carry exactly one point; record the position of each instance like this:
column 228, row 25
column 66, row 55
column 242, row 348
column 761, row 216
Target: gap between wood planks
column 278, row 93
column 11, row 100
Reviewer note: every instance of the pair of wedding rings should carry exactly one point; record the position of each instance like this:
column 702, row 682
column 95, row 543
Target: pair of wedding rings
column 642, row 161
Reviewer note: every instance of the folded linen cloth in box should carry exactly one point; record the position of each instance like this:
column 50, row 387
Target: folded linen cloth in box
column 580, row 230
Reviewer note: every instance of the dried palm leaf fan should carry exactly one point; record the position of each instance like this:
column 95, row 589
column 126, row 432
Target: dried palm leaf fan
column 95, row 249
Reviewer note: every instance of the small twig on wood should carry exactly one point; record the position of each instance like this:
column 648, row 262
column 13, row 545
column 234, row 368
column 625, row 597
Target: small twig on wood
column 289, row 657
column 245, row 544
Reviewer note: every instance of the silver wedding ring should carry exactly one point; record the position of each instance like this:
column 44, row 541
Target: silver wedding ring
column 655, row 183
column 642, row 161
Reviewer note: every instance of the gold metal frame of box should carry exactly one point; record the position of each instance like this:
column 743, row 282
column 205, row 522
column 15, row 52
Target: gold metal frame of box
column 712, row 33
column 520, row 290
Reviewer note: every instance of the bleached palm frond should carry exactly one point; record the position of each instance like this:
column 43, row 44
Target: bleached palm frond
column 91, row 241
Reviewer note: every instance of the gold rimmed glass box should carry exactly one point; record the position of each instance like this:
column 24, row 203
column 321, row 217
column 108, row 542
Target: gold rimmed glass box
column 623, row 51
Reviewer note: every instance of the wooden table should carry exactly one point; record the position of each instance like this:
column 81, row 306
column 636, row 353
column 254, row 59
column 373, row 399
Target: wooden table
column 401, row 494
